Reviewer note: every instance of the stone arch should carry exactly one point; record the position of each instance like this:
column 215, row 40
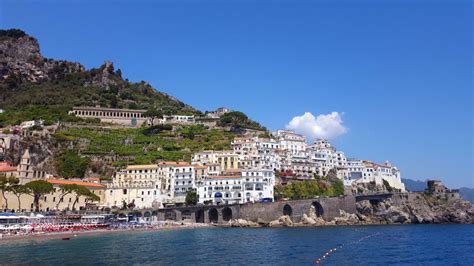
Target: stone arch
column 227, row 214
column 185, row 215
column 199, row 216
column 318, row 209
column 147, row 214
column 170, row 215
column 213, row 215
column 287, row 210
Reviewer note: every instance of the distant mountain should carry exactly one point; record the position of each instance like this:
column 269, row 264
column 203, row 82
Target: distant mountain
column 467, row 194
column 414, row 185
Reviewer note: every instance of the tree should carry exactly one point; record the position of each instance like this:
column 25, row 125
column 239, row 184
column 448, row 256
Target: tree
column 19, row 190
column 6, row 185
column 153, row 114
column 66, row 190
column 238, row 120
column 84, row 192
column 192, row 197
column 70, row 165
column 37, row 189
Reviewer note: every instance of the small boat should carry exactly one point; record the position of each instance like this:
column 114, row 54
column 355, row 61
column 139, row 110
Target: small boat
column 66, row 238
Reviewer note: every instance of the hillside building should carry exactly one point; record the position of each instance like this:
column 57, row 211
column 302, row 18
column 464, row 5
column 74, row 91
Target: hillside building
column 124, row 117
column 249, row 185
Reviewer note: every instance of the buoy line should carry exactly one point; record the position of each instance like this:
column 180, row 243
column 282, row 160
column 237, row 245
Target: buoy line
column 328, row 253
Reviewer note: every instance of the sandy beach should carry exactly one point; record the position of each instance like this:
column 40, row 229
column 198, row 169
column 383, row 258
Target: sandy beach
column 75, row 234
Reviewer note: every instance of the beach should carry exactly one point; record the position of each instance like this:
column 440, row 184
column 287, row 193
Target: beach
column 96, row 232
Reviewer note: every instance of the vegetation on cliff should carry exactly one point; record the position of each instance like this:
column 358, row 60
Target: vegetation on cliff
column 238, row 120
column 71, row 165
column 308, row 189
column 51, row 100
column 145, row 145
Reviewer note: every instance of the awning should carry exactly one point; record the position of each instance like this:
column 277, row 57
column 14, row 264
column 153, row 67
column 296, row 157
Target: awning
column 218, row 195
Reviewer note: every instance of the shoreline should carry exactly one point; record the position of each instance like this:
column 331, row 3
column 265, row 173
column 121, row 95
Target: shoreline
column 98, row 232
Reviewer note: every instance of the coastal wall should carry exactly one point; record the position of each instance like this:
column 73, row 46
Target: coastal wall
column 326, row 208
column 385, row 208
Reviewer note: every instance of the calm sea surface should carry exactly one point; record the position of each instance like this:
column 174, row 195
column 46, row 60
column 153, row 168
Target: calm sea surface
column 356, row 245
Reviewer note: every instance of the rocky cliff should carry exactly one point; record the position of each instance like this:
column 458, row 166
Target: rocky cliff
column 406, row 208
column 21, row 60
column 33, row 87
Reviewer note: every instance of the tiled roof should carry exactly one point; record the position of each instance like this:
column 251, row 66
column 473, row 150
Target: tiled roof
column 175, row 163
column 7, row 167
column 139, row 167
column 72, row 182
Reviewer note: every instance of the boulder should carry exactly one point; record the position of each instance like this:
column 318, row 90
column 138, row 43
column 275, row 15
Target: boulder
column 241, row 223
column 283, row 221
column 345, row 218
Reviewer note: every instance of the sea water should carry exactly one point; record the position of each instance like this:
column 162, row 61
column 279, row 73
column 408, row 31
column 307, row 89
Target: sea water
column 345, row 245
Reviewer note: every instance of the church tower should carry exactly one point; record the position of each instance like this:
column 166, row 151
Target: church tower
column 25, row 170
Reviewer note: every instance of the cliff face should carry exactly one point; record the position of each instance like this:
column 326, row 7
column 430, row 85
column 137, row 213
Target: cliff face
column 21, row 60
column 403, row 208
column 417, row 208
column 34, row 87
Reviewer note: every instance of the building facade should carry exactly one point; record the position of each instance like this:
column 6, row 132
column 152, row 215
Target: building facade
column 250, row 185
column 124, row 117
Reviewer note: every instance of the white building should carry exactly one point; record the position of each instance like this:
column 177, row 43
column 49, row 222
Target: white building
column 153, row 185
column 218, row 112
column 32, row 123
column 360, row 171
column 140, row 185
column 178, row 119
column 289, row 140
column 250, row 185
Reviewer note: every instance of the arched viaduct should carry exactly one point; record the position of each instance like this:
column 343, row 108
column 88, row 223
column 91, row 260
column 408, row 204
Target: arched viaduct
column 326, row 208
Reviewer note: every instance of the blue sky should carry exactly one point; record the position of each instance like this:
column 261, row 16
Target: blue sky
column 399, row 74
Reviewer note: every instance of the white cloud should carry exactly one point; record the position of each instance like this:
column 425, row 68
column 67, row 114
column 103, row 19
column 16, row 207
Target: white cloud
column 327, row 126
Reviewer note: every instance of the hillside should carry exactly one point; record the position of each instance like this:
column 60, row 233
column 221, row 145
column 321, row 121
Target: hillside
column 33, row 87
column 144, row 146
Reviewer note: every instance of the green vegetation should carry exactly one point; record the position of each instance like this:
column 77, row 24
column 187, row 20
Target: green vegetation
column 153, row 114
column 51, row 100
column 7, row 184
column 310, row 188
column 70, row 165
column 146, row 145
column 37, row 189
column 84, row 192
column 238, row 120
column 12, row 33
column 192, row 197
column 19, row 190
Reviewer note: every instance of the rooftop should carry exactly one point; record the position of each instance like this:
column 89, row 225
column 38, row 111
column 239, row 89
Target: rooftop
column 74, row 182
